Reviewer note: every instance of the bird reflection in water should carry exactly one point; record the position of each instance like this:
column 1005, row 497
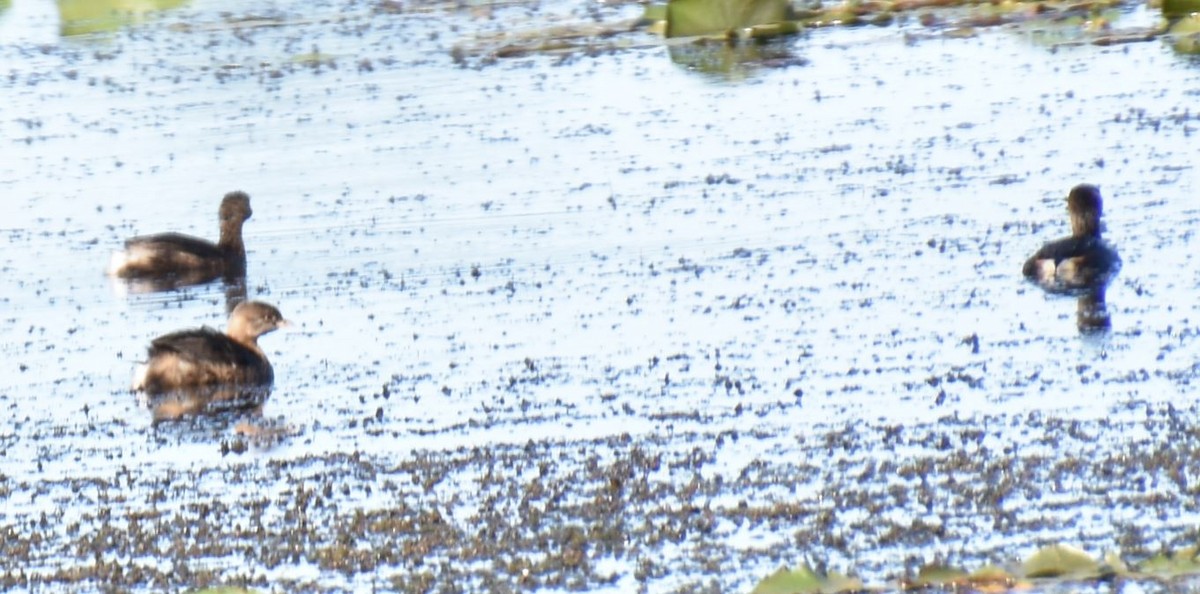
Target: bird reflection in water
column 205, row 414
column 181, row 403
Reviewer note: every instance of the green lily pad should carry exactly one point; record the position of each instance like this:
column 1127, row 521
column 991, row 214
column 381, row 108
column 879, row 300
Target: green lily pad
column 789, row 581
column 80, row 17
column 803, row 580
column 1172, row 564
column 1180, row 8
column 939, row 576
column 1061, row 560
column 1185, row 35
column 652, row 12
column 687, row 18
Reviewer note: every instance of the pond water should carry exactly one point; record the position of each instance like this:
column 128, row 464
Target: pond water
column 729, row 322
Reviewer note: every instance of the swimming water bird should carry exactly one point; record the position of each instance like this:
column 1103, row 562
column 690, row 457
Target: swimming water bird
column 1083, row 260
column 208, row 358
column 175, row 259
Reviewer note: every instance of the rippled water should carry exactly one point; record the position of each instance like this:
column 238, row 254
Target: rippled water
column 583, row 247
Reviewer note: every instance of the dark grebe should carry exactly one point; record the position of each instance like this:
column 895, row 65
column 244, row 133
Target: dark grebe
column 186, row 259
column 1084, row 259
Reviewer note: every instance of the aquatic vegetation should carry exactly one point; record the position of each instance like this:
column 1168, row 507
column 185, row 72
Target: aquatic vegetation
column 1056, row 563
column 1180, row 8
column 686, row 18
column 1170, row 564
column 1185, row 35
column 580, row 323
column 952, row 16
column 80, row 17
column 804, row 579
column 698, row 32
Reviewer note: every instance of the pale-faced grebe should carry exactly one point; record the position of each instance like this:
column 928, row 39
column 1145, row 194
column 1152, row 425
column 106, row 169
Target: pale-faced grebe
column 204, row 357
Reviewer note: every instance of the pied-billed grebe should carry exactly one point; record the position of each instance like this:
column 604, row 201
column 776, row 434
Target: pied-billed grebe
column 191, row 260
column 204, row 357
column 1084, row 259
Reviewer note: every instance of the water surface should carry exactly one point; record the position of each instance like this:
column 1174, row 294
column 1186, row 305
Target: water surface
column 795, row 293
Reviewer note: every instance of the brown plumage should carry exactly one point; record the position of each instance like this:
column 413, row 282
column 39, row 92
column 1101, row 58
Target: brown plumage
column 204, row 357
column 1082, row 260
column 177, row 259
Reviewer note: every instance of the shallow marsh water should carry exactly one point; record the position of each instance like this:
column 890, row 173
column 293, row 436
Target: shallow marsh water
column 591, row 321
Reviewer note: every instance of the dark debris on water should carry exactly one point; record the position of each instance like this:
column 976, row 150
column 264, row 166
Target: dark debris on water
column 551, row 514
